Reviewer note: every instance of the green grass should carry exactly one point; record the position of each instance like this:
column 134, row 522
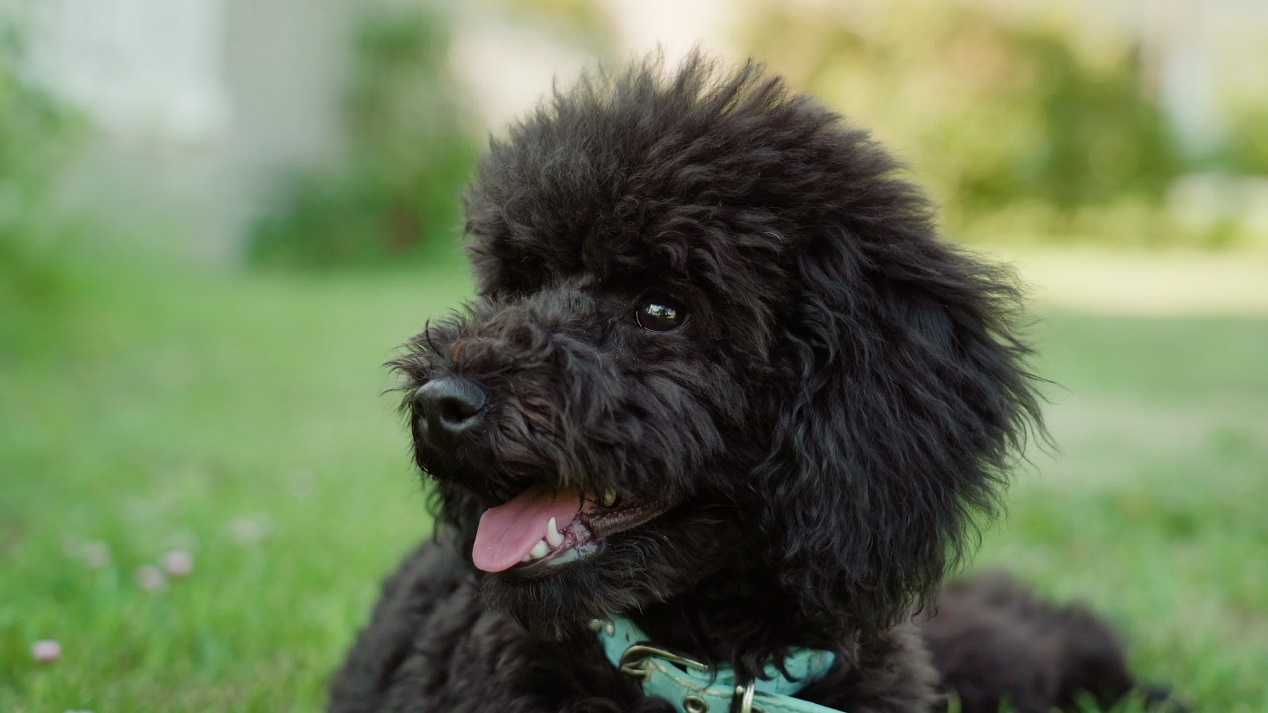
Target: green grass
column 1153, row 506
column 241, row 418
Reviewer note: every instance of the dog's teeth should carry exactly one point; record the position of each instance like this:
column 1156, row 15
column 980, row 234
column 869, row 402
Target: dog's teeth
column 527, row 558
column 539, row 550
column 553, row 537
column 609, row 497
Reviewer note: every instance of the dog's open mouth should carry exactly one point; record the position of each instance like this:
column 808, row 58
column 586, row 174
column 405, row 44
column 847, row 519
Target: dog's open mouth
column 543, row 527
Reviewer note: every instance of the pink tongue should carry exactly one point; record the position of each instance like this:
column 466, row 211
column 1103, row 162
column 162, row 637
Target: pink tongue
column 508, row 531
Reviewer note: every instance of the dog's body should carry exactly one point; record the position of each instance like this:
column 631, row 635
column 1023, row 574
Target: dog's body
column 722, row 379
column 433, row 645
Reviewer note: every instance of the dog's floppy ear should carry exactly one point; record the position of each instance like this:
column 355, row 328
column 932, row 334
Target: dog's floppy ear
column 913, row 401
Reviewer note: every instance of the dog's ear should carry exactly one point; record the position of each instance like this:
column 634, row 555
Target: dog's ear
column 914, row 400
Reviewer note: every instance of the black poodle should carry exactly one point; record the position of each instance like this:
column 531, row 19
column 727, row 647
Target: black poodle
column 723, row 415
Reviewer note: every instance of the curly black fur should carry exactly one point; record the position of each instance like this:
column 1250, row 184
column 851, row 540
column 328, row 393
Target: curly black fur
column 842, row 403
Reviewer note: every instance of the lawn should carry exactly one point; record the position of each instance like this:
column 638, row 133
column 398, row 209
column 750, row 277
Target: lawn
column 241, row 419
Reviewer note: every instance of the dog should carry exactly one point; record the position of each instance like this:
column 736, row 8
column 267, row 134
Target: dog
column 721, row 419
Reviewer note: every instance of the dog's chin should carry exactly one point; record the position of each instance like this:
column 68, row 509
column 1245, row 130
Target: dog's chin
column 561, row 604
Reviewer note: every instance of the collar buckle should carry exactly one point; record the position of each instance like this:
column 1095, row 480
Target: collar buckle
column 694, row 687
column 631, row 662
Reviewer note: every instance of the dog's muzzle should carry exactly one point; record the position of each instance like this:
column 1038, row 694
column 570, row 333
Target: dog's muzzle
column 449, row 407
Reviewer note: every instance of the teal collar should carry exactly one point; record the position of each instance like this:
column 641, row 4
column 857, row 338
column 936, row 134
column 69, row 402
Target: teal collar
column 693, row 687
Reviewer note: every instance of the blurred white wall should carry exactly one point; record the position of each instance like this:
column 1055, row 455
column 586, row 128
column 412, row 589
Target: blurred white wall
column 509, row 63
column 150, row 69
column 198, row 104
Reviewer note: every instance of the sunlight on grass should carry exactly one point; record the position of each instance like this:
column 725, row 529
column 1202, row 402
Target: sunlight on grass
column 1155, row 283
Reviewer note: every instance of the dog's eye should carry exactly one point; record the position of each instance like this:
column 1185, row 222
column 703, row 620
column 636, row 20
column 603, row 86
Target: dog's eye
column 660, row 314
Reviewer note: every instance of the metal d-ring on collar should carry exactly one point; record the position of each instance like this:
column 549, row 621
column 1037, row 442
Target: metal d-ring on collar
column 742, row 702
column 694, row 687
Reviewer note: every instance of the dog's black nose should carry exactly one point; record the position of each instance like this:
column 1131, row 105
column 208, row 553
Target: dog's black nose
column 450, row 406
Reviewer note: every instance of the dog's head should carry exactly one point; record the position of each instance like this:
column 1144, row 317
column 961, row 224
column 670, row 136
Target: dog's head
column 714, row 334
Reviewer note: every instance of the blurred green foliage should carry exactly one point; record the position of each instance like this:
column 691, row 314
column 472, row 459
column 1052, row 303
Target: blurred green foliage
column 994, row 112
column 38, row 138
column 1246, row 150
column 1024, row 126
column 581, row 21
column 1099, row 137
column 408, row 150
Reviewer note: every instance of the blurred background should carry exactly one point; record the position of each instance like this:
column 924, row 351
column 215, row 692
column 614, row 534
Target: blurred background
column 219, row 217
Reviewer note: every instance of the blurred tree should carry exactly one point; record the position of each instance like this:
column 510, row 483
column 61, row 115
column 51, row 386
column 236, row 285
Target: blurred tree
column 408, row 151
column 1247, row 148
column 1101, row 137
column 991, row 111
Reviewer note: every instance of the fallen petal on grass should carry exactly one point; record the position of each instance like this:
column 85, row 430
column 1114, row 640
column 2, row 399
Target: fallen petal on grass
column 151, row 578
column 46, row 651
column 178, row 563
